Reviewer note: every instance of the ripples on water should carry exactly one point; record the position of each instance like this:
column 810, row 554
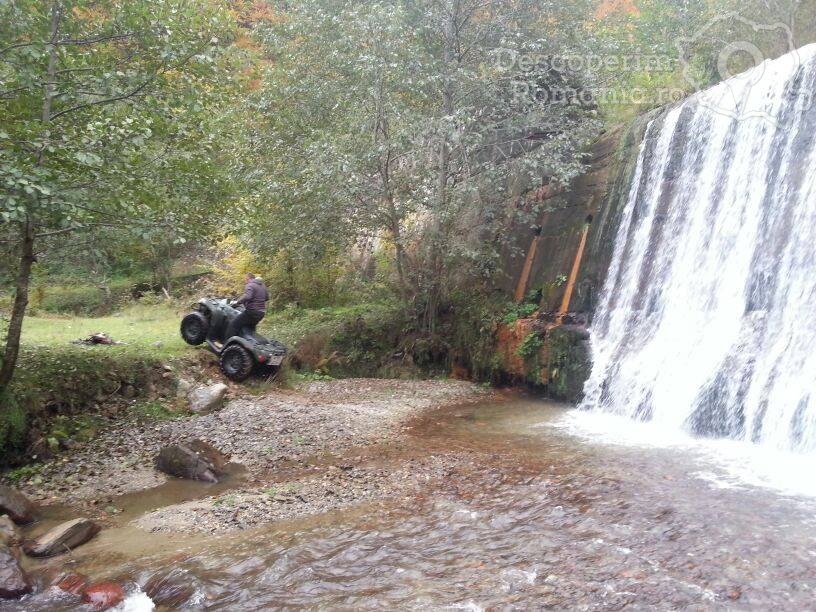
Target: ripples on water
column 539, row 518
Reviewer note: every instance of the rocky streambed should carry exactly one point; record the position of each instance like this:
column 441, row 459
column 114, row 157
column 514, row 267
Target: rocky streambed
column 431, row 495
column 325, row 446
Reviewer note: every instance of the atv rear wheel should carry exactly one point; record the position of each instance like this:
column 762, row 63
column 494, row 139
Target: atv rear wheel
column 194, row 328
column 236, row 363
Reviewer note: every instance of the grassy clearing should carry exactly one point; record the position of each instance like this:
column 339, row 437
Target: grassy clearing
column 52, row 371
column 153, row 329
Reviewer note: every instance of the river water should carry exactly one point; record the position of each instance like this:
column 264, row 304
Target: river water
column 543, row 512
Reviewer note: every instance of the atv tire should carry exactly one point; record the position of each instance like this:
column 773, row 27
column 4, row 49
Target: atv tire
column 236, row 363
column 194, row 328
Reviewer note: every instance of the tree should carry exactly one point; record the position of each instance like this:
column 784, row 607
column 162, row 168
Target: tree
column 397, row 120
column 106, row 108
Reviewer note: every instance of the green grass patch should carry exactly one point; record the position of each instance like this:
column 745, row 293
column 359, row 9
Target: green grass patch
column 154, row 411
column 52, row 371
column 153, row 329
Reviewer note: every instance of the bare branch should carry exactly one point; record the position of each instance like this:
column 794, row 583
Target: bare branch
column 104, row 101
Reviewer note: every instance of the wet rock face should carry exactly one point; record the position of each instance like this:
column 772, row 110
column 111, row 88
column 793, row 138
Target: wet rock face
column 62, row 538
column 73, row 583
column 204, row 400
column 13, row 582
column 8, row 532
column 169, row 589
column 16, row 505
column 103, row 595
column 195, row 460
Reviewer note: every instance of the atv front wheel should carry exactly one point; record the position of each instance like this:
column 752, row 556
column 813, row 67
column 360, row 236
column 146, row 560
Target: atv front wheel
column 236, row 363
column 194, row 328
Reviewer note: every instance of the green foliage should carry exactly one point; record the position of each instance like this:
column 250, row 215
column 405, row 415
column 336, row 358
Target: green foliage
column 13, row 423
column 530, row 351
column 80, row 428
column 24, row 472
column 81, row 299
column 153, row 411
column 111, row 113
column 530, row 346
column 395, row 121
column 519, row 311
column 570, row 364
column 290, row 325
column 110, row 120
column 472, row 334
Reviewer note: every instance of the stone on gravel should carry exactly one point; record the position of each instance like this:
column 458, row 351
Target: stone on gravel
column 204, row 400
column 16, row 505
column 13, row 582
column 103, row 595
column 62, row 538
column 195, row 460
column 8, row 532
column 183, row 387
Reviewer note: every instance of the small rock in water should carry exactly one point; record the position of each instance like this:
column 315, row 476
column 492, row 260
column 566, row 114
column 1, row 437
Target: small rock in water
column 204, row 400
column 16, row 505
column 103, row 595
column 8, row 532
column 195, row 460
column 62, row 538
column 13, row 582
column 169, row 589
column 73, row 583
column 734, row 593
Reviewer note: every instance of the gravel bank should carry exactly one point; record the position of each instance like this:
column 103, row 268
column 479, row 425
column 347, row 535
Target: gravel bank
column 269, row 434
column 333, row 489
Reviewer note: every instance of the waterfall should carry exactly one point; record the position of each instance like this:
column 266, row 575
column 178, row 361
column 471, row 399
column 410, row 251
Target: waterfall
column 707, row 319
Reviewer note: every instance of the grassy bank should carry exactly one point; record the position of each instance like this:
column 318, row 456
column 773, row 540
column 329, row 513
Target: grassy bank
column 56, row 377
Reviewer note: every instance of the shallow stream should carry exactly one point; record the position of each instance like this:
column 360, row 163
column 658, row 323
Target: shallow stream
column 539, row 515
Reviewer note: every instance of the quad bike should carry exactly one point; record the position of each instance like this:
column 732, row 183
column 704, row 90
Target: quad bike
column 239, row 356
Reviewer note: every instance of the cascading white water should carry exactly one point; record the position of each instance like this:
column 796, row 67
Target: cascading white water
column 707, row 320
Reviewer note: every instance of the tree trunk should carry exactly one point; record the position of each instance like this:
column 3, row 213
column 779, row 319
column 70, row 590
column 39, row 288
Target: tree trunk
column 438, row 235
column 27, row 257
column 18, row 310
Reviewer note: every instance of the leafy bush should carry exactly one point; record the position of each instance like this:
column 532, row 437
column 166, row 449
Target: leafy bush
column 530, row 346
column 52, row 382
column 530, row 351
column 13, row 423
column 519, row 311
column 81, row 299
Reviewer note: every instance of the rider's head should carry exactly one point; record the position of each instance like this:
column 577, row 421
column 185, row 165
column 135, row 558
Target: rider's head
column 250, row 277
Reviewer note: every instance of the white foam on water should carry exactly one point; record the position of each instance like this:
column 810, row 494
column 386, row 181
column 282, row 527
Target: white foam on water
column 137, row 601
column 706, row 323
column 722, row 463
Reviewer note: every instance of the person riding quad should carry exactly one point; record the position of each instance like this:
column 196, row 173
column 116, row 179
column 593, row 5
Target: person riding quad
column 254, row 300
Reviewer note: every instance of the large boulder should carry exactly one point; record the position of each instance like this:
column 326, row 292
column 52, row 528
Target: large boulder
column 194, row 460
column 16, row 505
column 62, row 538
column 13, row 581
column 204, row 400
